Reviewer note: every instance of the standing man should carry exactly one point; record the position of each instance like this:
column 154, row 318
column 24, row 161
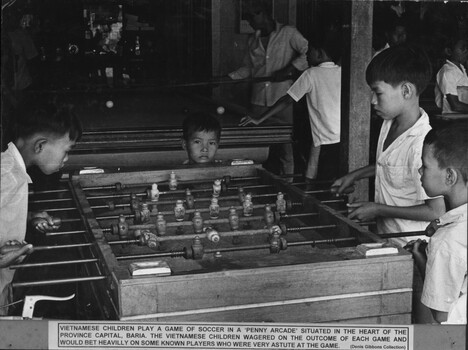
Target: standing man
column 278, row 51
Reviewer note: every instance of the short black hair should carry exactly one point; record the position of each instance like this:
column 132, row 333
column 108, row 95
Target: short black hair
column 450, row 42
column 199, row 121
column 47, row 118
column 398, row 64
column 450, row 146
column 330, row 42
column 265, row 6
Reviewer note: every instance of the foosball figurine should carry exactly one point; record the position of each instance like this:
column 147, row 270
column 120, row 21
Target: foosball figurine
column 280, row 203
column 123, row 227
column 268, row 216
column 145, row 213
column 154, row 192
column 197, row 221
column 161, row 225
column 189, row 200
column 173, row 181
column 241, row 194
column 216, row 188
column 248, row 205
column 214, row 208
column 233, row 219
column 179, row 210
column 212, row 235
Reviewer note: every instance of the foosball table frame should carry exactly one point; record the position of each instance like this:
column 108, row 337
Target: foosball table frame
column 325, row 282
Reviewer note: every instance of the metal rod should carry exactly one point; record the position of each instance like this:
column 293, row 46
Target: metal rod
column 63, row 246
column 188, row 223
column 332, row 201
column 306, row 228
column 64, row 233
column 59, row 209
column 181, row 183
column 49, row 191
column 57, row 281
column 189, row 211
column 53, row 263
column 50, row 200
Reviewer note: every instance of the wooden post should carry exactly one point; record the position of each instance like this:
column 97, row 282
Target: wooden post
column 355, row 104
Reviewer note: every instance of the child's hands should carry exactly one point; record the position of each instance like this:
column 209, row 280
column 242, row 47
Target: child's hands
column 43, row 222
column 13, row 252
column 342, row 185
column 363, row 211
column 247, row 120
column 417, row 247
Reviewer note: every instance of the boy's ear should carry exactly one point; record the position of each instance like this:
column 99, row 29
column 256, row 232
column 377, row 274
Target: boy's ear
column 408, row 90
column 184, row 144
column 451, row 177
column 39, row 145
column 448, row 52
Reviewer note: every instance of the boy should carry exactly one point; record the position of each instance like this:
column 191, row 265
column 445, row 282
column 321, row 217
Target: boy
column 322, row 85
column 44, row 138
column 444, row 172
column 397, row 76
column 201, row 136
column 451, row 76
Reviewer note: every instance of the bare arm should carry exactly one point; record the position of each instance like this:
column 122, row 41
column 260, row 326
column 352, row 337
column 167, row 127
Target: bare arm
column 439, row 316
column 432, row 209
column 349, row 179
column 281, row 104
column 455, row 104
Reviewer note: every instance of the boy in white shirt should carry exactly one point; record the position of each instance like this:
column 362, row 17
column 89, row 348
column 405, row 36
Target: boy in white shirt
column 443, row 264
column 397, row 76
column 452, row 80
column 321, row 84
column 45, row 135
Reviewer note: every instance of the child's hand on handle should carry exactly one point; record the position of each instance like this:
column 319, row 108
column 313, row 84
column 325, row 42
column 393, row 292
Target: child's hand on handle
column 13, row 252
column 417, row 247
column 363, row 211
column 43, row 222
column 343, row 185
column 247, row 120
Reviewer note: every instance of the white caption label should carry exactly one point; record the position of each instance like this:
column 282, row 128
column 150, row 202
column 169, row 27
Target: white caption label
column 122, row 335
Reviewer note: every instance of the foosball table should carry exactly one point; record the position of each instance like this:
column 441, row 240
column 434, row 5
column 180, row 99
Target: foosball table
column 219, row 243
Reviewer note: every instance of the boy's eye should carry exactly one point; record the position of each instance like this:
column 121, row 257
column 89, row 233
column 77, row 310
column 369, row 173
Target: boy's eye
column 213, row 143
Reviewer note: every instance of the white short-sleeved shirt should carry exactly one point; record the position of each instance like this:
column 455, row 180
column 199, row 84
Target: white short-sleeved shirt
column 286, row 45
column 445, row 282
column 448, row 78
column 13, row 208
column 397, row 180
column 322, row 87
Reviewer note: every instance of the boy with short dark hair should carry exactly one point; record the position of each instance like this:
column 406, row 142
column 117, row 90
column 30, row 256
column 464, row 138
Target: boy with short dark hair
column 443, row 264
column 321, row 84
column 201, row 136
column 451, row 90
column 397, row 77
column 44, row 136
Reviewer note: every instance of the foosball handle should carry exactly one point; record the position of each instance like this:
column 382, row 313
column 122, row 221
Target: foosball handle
column 30, row 301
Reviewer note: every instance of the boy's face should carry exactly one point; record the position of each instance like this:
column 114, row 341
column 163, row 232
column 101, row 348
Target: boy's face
column 460, row 51
column 313, row 57
column 432, row 176
column 54, row 153
column 397, row 36
column 386, row 100
column 201, row 147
